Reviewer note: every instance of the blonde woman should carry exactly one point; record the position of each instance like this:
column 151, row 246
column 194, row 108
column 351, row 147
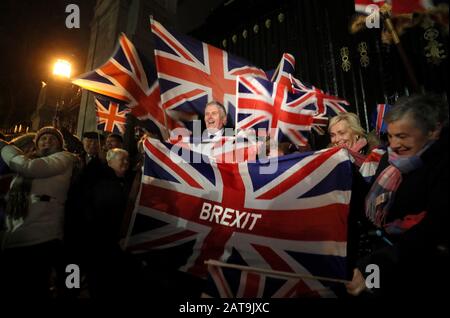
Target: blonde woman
column 345, row 130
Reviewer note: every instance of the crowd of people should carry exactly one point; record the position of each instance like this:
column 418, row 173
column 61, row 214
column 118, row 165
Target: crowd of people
column 67, row 206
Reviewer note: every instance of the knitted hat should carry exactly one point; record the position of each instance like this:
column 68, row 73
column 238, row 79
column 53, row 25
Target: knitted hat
column 49, row 130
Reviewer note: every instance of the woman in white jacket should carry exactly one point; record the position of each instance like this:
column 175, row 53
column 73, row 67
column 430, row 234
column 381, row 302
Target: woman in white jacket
column 32, row 241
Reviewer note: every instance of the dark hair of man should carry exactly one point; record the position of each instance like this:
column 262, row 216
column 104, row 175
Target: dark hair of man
column 116, row 136
column 427, row 110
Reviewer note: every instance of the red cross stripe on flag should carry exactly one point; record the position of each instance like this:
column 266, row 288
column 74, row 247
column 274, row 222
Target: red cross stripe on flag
column 192, row 73
column 312, row 98
column 324, row 104
column 261, row 102
column 369, row 167
column 111, row 116
column 269, row 217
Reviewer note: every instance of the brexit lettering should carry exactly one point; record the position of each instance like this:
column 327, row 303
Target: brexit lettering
column 228, row 217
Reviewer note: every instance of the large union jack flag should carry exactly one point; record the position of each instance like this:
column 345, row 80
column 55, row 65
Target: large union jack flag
column 191, row 73
column 127, row 77
column 263, row 104
column 111, row 116
column 288, row 214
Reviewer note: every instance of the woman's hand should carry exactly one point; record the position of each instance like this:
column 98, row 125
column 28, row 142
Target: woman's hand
column 357, row 285
column 3, row 143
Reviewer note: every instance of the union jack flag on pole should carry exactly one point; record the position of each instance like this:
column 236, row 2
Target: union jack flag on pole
column 111, row 116
column 284, row 70
column 321, row 102
column 263, row 104
column 127, row 77
column 191, row 73
column 315, row 99
column 288, row 213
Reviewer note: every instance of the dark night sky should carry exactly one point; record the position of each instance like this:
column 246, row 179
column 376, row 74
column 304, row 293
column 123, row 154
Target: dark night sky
column 33, row 35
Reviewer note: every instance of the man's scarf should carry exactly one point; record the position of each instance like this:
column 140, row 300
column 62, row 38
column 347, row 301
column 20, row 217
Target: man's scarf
column 382, row 193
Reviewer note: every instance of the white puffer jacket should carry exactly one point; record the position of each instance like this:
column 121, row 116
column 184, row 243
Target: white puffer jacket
column 50, row 177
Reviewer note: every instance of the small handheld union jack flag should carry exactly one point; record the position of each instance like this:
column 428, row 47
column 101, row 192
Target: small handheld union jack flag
column 378, row 118
column 282, row 73
column 111, row 116
column 322, row 104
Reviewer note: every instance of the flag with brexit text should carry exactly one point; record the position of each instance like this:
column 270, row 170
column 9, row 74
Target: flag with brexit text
column 288, row 213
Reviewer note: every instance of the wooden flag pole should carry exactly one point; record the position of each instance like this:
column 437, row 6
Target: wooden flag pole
column 271, row 272
column 409, row 70
column 166, row 131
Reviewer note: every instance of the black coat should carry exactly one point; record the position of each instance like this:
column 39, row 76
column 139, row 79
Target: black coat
column 95, row 208
column 104, row 206
column 417, row 263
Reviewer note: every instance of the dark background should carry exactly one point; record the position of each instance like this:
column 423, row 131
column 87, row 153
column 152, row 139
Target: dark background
column 33, row 35
column 315, row 31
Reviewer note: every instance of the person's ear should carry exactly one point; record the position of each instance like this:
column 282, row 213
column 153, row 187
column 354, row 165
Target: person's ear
column 435, row 134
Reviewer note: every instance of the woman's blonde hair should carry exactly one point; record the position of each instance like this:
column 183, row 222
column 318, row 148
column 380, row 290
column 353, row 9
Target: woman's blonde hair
column 112, row 153
column 352, row 121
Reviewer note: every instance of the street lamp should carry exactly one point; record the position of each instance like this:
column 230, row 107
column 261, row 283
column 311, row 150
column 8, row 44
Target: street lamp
column 61, row 69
